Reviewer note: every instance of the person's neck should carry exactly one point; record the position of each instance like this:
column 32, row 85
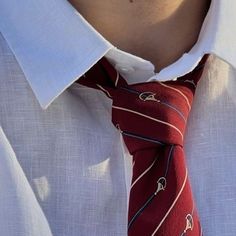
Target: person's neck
column 159, row 31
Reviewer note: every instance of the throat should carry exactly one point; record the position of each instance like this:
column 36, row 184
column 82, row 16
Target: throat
column 158, row 31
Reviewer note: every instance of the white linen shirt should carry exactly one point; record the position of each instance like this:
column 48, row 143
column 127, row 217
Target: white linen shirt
column 64, row 170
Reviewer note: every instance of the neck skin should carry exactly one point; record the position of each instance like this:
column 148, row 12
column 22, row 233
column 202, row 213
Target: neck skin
column 156, row 30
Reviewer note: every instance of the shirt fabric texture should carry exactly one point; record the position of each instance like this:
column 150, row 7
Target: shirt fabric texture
column 64, row 170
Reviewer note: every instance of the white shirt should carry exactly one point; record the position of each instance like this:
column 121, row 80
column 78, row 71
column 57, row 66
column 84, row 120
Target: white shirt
column 63, row 168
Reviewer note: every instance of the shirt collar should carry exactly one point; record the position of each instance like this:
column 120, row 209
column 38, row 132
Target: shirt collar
column 54, row 44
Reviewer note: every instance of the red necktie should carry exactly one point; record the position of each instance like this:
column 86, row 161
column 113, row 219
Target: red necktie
column 152, row 119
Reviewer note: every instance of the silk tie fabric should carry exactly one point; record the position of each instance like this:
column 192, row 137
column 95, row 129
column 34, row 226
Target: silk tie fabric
column 152, row 119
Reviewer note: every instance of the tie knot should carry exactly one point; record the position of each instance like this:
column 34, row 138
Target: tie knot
column 147, row 114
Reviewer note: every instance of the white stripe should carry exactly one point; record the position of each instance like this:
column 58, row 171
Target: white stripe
column 149, row 117
column 104, row 90
column 178, row 91
column 133, row 164
column 173, row 204
column 117, row 78
column 143, row 173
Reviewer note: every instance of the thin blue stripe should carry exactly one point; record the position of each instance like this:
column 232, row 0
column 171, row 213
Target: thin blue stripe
column 174, row 108
column 168, row 162
column 140, row 210
column 130, row 90
column 141, row 137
